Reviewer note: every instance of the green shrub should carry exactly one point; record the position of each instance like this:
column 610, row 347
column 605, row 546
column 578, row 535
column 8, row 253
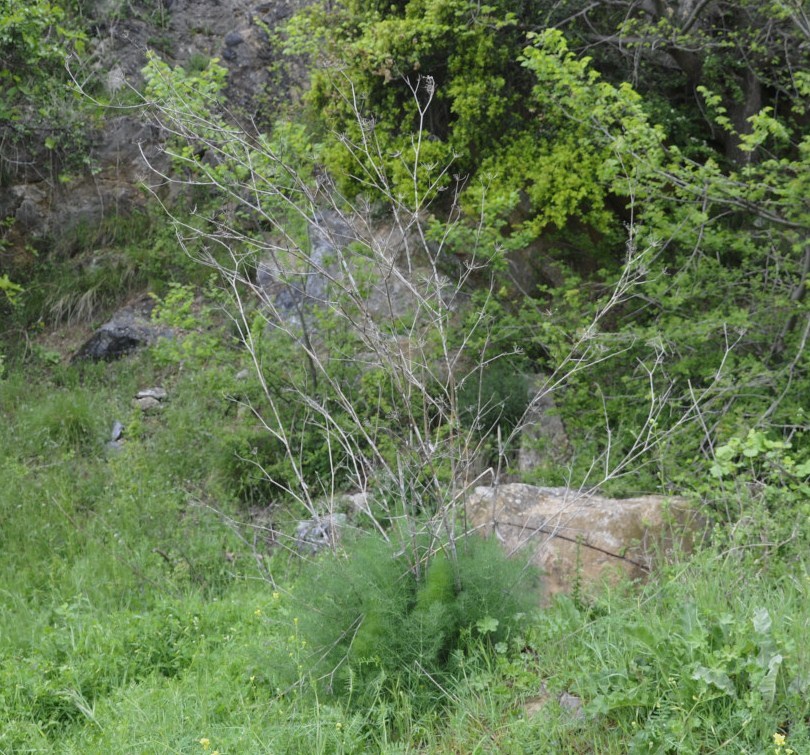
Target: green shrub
column 193, row 313
column 197, row 63
column 246, row 464
column 761, row 498
column 497, row 395
column 253, row 466
column 386, row 618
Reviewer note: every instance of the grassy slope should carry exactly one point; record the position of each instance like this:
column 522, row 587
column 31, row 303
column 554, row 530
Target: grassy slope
column 134, row 621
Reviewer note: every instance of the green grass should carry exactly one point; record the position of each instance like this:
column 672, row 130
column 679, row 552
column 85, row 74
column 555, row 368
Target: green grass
column 94, row 268
column 134, row 620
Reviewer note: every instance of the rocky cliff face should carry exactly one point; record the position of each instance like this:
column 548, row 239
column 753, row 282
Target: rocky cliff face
column 45, row 193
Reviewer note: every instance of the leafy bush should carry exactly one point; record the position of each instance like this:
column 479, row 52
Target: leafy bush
column 35, row 38
column 253, row 465
column 760, row 495
column 497, row 395
column 250, row 466
column 463, row 53
column 388, row 617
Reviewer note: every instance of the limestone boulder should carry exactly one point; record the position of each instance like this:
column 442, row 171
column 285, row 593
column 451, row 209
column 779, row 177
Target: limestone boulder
column 574, row 535
column 150, row 399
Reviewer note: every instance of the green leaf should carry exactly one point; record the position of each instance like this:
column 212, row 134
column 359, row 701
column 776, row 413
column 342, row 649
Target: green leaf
column 803, row 469
column 487, row 625
column 726, row 453
column 762, row 621
column 767, row 687
column 800, row 685
column 715, row 678
column 9, row 288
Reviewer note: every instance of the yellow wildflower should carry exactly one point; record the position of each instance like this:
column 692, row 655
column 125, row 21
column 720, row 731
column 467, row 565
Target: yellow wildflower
column 779, row 739
column 205, row 742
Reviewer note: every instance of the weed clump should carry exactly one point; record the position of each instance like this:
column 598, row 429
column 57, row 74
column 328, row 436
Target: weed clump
column 66, row 421
column 382, row 618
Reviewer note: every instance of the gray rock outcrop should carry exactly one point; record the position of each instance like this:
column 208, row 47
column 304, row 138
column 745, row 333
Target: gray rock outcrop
column 130, row 328
column 48, row 192
column 398, row 280
column 289, row 284
column 542, row 438
column 116, row 441
column 150, row 399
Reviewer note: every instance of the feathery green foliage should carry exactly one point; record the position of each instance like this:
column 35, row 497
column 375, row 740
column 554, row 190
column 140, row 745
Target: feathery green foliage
column 383, row 617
